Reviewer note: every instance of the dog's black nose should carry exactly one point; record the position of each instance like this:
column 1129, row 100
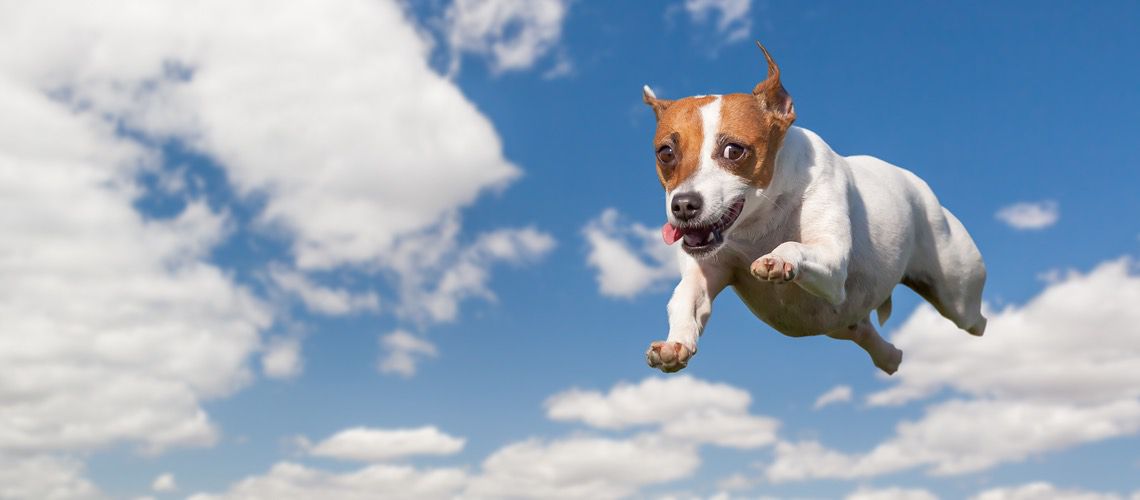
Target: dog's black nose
column 686, row 206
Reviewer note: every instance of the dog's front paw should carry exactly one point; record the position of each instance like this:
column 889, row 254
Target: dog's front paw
column 668, row 356
column 774, row 268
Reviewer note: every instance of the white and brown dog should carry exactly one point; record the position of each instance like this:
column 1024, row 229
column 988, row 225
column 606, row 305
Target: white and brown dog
column 810, row 240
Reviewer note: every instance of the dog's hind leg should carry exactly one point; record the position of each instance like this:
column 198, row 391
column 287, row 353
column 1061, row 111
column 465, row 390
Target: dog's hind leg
column 949, row 273
column 885, row 356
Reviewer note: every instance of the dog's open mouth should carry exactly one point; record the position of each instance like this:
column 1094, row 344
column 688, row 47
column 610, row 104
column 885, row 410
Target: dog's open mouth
column 704, row 238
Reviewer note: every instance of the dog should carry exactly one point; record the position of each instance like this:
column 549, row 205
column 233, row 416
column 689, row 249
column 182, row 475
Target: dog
column 810, row 241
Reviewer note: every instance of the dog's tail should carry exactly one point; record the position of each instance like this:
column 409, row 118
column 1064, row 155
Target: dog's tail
column 884, row 311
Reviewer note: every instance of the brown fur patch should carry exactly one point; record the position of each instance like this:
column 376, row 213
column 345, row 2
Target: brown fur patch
column 758, row 121
column 679, row 127
column 744, row 121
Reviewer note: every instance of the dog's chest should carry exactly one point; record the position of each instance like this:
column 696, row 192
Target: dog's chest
column 787, row 307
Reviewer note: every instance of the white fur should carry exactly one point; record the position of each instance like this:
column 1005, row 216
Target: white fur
column 717, row 187
column 850, row 227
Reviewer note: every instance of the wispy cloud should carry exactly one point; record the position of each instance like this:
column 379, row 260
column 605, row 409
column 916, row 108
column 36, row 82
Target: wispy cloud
column 628, row 258
column 512, row 34
column 1030, row 215
column 402, row 352
column 732, row 21
column 837, row 394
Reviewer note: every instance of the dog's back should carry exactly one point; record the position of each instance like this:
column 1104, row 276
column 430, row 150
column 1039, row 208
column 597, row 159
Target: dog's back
column 944, row 265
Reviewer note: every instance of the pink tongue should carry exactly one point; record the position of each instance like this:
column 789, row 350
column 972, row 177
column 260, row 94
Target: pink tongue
column 670, row 234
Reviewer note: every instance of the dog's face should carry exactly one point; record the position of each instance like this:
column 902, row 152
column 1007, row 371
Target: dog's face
column 715, row 157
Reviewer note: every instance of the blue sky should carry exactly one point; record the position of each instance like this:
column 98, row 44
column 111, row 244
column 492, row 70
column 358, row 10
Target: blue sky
column 373, row 249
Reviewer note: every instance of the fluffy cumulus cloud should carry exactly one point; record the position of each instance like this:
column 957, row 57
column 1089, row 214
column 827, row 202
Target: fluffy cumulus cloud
column 628, row 258
column 731, row 16
column 348, row 153
column 292, row 481
column 403, row 352
column 1045, row 491
column 512, row 34
column 891, row 493
column 583, row 465
column 365, row 444
column 282, row 358
column 685, row 408
column 45, row 477
column 113, row 327
column 322, row 299
column 164, row 483
column 1074, row 342
column 1030, row 215
column 1056, row 372
column 835, row 395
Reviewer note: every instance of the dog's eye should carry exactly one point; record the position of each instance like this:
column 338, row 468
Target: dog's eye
column 665, row 155
column 733, row 152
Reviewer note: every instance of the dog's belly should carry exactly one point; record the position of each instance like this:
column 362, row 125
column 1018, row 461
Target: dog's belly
column 793, row 311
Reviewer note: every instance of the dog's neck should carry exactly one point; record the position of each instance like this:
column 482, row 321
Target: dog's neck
column 791, row 177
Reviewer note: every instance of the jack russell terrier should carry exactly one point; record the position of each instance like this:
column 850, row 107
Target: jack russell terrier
column 811, row 241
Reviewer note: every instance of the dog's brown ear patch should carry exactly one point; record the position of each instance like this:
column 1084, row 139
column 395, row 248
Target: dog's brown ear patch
column 771, row 94
column 659, row 105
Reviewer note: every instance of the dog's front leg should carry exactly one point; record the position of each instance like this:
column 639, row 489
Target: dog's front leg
column 689, row 311
column 819, row 267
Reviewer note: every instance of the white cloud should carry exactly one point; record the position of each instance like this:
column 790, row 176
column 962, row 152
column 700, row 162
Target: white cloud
column 321, row 299
column 461, row 273
column 352, row 140
column 164, row 482
column 732, row 16
column 513, row 34
column 1035, row 215
column 583, row 467
column 629, row 259
column 45, row 477
column 403, row 351
column 738, row 481
column 376, row 445
column 1042, row 491
column 1075, row 341
column 282, row 358
column 1055, row 373
column 290, row 481
column 685, row 408
column 113, row 327
column 949, row 440
column 654, row 400
column 809, row 460
column 891, row 493
column 837, row 394
column 578, row 467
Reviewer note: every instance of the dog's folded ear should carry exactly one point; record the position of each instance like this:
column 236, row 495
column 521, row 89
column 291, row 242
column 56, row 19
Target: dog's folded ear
column 658, row 105
column 771, row 93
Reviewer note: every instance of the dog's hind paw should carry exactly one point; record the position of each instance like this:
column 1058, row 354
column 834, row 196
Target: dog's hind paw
column 774, row 268
column 668, row 356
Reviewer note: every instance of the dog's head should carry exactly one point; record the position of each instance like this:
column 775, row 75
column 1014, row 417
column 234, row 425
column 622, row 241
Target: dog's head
column 716, row 155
